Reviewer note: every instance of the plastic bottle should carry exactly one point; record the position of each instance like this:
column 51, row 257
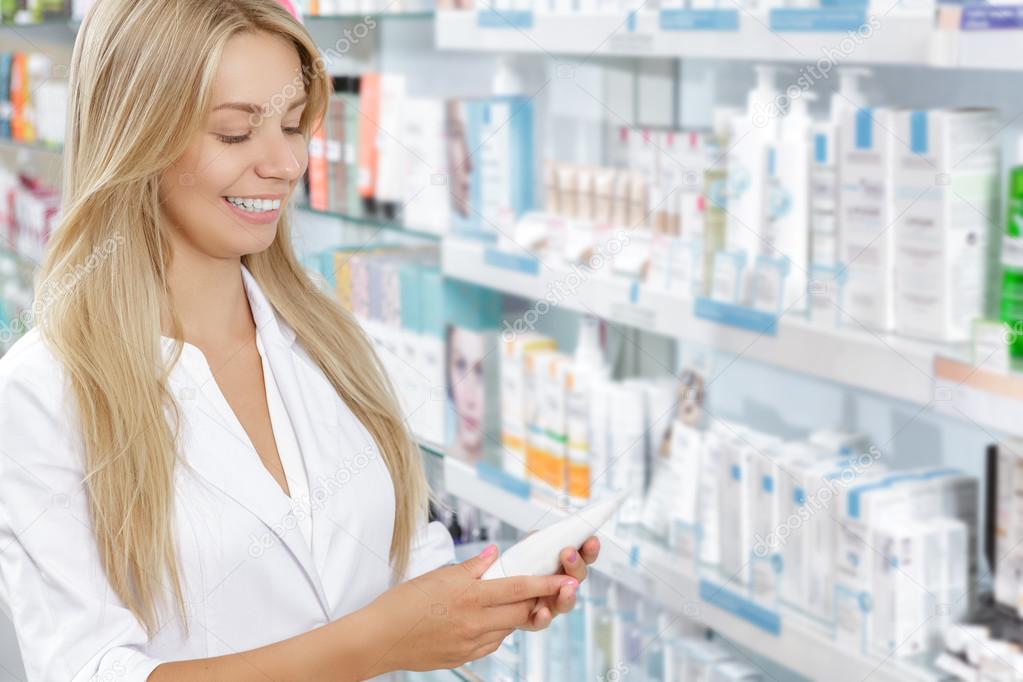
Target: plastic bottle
column 539, row 553
column 788, row 201
column 747, row 166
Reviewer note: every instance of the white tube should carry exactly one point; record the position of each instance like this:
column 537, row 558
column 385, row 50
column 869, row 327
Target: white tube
column 539, row 553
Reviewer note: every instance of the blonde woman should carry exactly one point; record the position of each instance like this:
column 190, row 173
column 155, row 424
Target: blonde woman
column 203, row 473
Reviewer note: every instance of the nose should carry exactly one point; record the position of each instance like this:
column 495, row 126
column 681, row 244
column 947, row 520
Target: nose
column 278, row 157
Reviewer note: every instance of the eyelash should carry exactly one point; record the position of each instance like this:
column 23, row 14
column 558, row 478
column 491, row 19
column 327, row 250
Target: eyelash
column 236, row 139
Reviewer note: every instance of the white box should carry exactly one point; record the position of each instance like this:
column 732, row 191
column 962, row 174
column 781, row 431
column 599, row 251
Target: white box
column 919, row 584
column 514, row 349
column 946, row 202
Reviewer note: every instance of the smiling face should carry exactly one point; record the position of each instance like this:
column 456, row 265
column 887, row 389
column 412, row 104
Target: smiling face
column 249, row 151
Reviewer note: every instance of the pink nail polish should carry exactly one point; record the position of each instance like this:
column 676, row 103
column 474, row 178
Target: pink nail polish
column 569, row 582
column 488, row 552
column 573, row 557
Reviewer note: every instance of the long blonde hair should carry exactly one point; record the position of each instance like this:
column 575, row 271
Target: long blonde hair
column 140, row 86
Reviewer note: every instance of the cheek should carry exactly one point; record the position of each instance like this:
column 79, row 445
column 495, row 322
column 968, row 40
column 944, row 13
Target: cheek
column 219, row 170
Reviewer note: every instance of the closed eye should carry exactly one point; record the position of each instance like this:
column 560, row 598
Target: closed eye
column 233, row 139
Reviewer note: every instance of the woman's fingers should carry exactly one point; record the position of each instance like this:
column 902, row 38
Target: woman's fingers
column 509, row 616
column 573, row 564
column 510, row 590
column 540, row 619
column 590, row 549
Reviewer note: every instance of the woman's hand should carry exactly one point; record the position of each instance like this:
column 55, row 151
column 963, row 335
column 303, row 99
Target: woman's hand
column 573, row 563
column 447, row 617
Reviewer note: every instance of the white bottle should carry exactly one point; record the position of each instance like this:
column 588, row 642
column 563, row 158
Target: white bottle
column 588, row 367
column 539, row 554
column 788, row 204
column 628, row 450
column 747, row 171
column 825, row 180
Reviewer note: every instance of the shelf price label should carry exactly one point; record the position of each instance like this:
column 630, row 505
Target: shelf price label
column 736, row 316
column 698, row 20
column 741, row 607
column 505, row 18
column 991, row 17
column 826, row 20
column 527, row 265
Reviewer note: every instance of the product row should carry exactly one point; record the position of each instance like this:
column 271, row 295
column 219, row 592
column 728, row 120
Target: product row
column 33, row 99
column 450, row 165
column 890, row 212
column 35, row 11
column 29, row 212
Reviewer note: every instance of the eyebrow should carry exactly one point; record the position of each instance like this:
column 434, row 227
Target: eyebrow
column 254, row 108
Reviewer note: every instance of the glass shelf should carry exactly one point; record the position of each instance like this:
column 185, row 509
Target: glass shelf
column 8, row 143
column 371, row 222
column 431, row 449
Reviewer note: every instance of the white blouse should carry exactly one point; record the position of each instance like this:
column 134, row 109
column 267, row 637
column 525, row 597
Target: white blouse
column 288, row 449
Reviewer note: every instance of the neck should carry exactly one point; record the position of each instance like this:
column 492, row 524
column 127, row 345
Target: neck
column 209, row 298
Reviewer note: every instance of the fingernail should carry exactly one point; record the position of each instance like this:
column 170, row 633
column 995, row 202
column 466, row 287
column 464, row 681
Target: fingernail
column 569, row 582
column 573, row 557
column 488, row 552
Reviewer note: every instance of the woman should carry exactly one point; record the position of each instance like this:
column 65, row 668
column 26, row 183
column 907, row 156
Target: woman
column 204, row 475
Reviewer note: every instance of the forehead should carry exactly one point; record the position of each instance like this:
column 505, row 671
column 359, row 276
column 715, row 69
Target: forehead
column 258, row 68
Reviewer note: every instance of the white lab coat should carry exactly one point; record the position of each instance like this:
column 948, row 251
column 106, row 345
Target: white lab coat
column 249, row 576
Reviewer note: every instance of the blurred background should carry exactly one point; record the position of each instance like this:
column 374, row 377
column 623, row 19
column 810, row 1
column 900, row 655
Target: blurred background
column 753, row 262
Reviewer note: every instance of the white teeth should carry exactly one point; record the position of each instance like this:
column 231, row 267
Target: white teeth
column 255, row 205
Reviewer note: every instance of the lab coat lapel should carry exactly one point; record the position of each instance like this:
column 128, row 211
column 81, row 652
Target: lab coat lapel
column 307, row 396
column 332, row 440
column 228, row 462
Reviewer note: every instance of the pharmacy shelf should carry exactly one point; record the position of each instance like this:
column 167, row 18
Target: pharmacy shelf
column 891, row 40
column 656, row 573
column 891, row 366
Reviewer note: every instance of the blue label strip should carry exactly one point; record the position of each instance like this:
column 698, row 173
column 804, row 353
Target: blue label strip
column 818, row 20
column 736, row 316
column 506, row 18
column 918, row 132
column 511, row 261
column 864, row 128
column 991, row 18
column 765, row 619
column 502, row 479
column 698, row 20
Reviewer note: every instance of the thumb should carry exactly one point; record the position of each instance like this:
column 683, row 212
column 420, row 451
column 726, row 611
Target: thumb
column 477, row 565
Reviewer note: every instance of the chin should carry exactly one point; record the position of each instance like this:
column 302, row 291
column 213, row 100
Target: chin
column 254, row 240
